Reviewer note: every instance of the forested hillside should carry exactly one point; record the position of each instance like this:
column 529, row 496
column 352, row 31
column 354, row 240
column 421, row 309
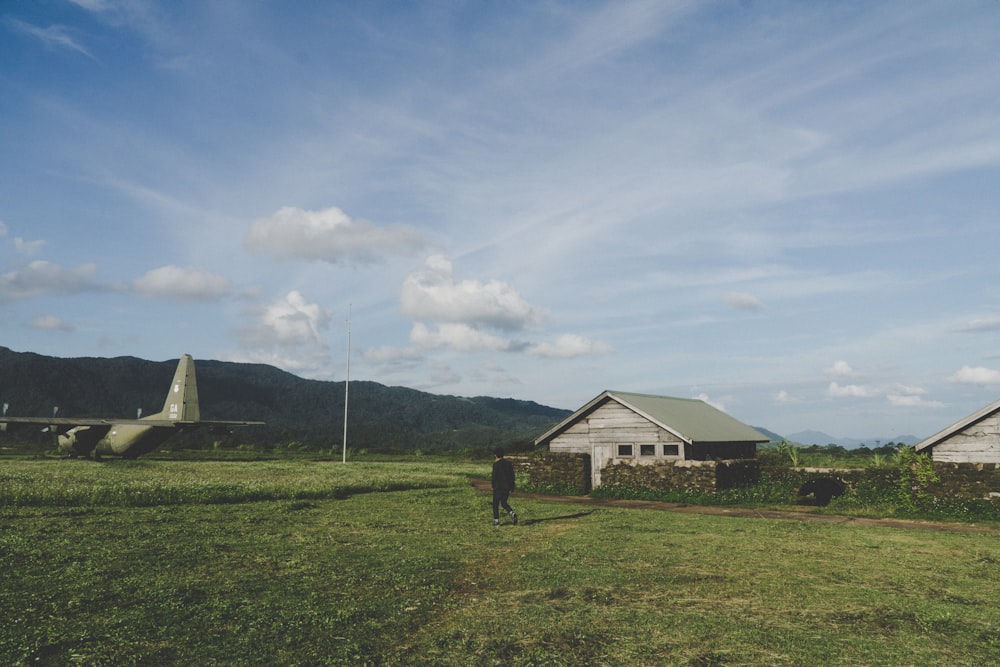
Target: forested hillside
column 298, row 412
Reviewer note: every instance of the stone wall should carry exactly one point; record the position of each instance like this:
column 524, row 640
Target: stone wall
column 683, row 475
column 555, row 470
column 974, row 481
column 853, row 477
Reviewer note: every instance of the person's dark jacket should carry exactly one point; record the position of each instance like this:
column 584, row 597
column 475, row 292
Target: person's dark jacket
column 503, row 475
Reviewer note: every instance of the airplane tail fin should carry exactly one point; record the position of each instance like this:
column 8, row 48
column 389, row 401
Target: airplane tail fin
column 182, row 399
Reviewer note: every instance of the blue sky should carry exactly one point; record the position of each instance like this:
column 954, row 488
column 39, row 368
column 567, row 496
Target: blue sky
column 789, row 209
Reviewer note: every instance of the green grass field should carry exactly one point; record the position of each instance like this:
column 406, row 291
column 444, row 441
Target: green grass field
column 299, row 563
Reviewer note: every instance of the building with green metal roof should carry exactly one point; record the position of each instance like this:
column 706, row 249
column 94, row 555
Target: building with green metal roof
column 618, row 426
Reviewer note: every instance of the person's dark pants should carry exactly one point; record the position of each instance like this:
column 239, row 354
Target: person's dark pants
column 500, row 500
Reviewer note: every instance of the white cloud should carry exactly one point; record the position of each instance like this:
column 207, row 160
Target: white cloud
column 392, row 355
column 28, row 247
column 744, row 301
column 784, row 397
column 458, row 336
column 911, row 401
column 841, row 369
column 473, row 316
column 291, row 319
column 93, row 5
column 851, row 391
column 51, row 323
column 328, row 235
column 975, row 375
column 568, row 346
column 41, row 277
column 183, row 284
column 287, row 332
column 431, row 293
column 719, row 405
column 903, row 396
column 3, row 229
column 980, row 325
column 53, row 37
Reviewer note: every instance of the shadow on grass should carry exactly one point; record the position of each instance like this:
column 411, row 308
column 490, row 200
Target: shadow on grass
column 578, row 515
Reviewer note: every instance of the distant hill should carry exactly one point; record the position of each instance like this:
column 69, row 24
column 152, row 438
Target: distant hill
column 771, row 434
column 820, row 438
column 306, row 413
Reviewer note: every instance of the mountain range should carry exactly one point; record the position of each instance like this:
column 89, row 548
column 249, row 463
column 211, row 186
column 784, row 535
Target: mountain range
column 820, row 438
column 298, row 413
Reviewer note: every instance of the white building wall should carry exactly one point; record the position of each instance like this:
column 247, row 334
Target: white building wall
column 978, row 443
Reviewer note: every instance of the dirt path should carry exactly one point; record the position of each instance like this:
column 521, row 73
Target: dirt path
column 804, row 514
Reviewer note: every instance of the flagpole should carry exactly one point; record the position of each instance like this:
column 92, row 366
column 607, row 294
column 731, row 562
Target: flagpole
column 347, row 378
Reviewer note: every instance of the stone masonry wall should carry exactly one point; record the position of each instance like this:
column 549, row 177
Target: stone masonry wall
column 683, row 475
column 560, row 470
column 967, row 480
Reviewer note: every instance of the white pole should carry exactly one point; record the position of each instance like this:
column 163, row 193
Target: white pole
column 347, row 378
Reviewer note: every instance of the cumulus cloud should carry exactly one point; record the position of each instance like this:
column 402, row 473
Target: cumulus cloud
column 328, row 235
column 458, row 336
column 287, row 332
column 182, row 284
column 903, row 396
column 568, row 346
column 718, row 405
column 28, row 247
column 51, row 323
column 841, row 369
column 975, row 375
column 784, row 397
column 41, row 277
column 290, row 320
column 744, row 301
column 392, row 355
column 851, row 391
column 475, row 316
column 431, row 293
column 911, row 401
column 3, row 229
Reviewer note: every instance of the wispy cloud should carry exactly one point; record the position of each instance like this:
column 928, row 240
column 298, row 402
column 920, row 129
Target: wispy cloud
column 53, row 37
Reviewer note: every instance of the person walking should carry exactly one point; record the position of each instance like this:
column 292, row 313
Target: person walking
column 503, row 484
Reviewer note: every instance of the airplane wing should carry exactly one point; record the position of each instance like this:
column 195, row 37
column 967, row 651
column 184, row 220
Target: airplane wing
column 57, row 421
column 64, row 421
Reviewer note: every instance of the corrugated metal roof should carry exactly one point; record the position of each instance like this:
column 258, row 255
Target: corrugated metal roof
column 694, row 420
column 690, row 419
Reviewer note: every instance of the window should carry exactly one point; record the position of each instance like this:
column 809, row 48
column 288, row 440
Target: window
column 624, row 450
column 671, row 450
column 647, row 450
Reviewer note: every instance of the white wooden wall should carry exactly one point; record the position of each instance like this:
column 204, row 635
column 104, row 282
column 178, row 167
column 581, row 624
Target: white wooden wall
column 608, row 425
column 979, row 443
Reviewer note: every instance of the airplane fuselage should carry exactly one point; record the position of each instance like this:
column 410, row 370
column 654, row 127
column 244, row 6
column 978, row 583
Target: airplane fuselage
column 131, row 438
column 126, row 440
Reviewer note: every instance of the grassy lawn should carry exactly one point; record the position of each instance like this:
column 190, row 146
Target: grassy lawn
column 298, row 563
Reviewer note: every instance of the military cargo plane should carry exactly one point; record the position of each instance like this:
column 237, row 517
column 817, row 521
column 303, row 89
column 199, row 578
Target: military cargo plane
column 131, row 438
